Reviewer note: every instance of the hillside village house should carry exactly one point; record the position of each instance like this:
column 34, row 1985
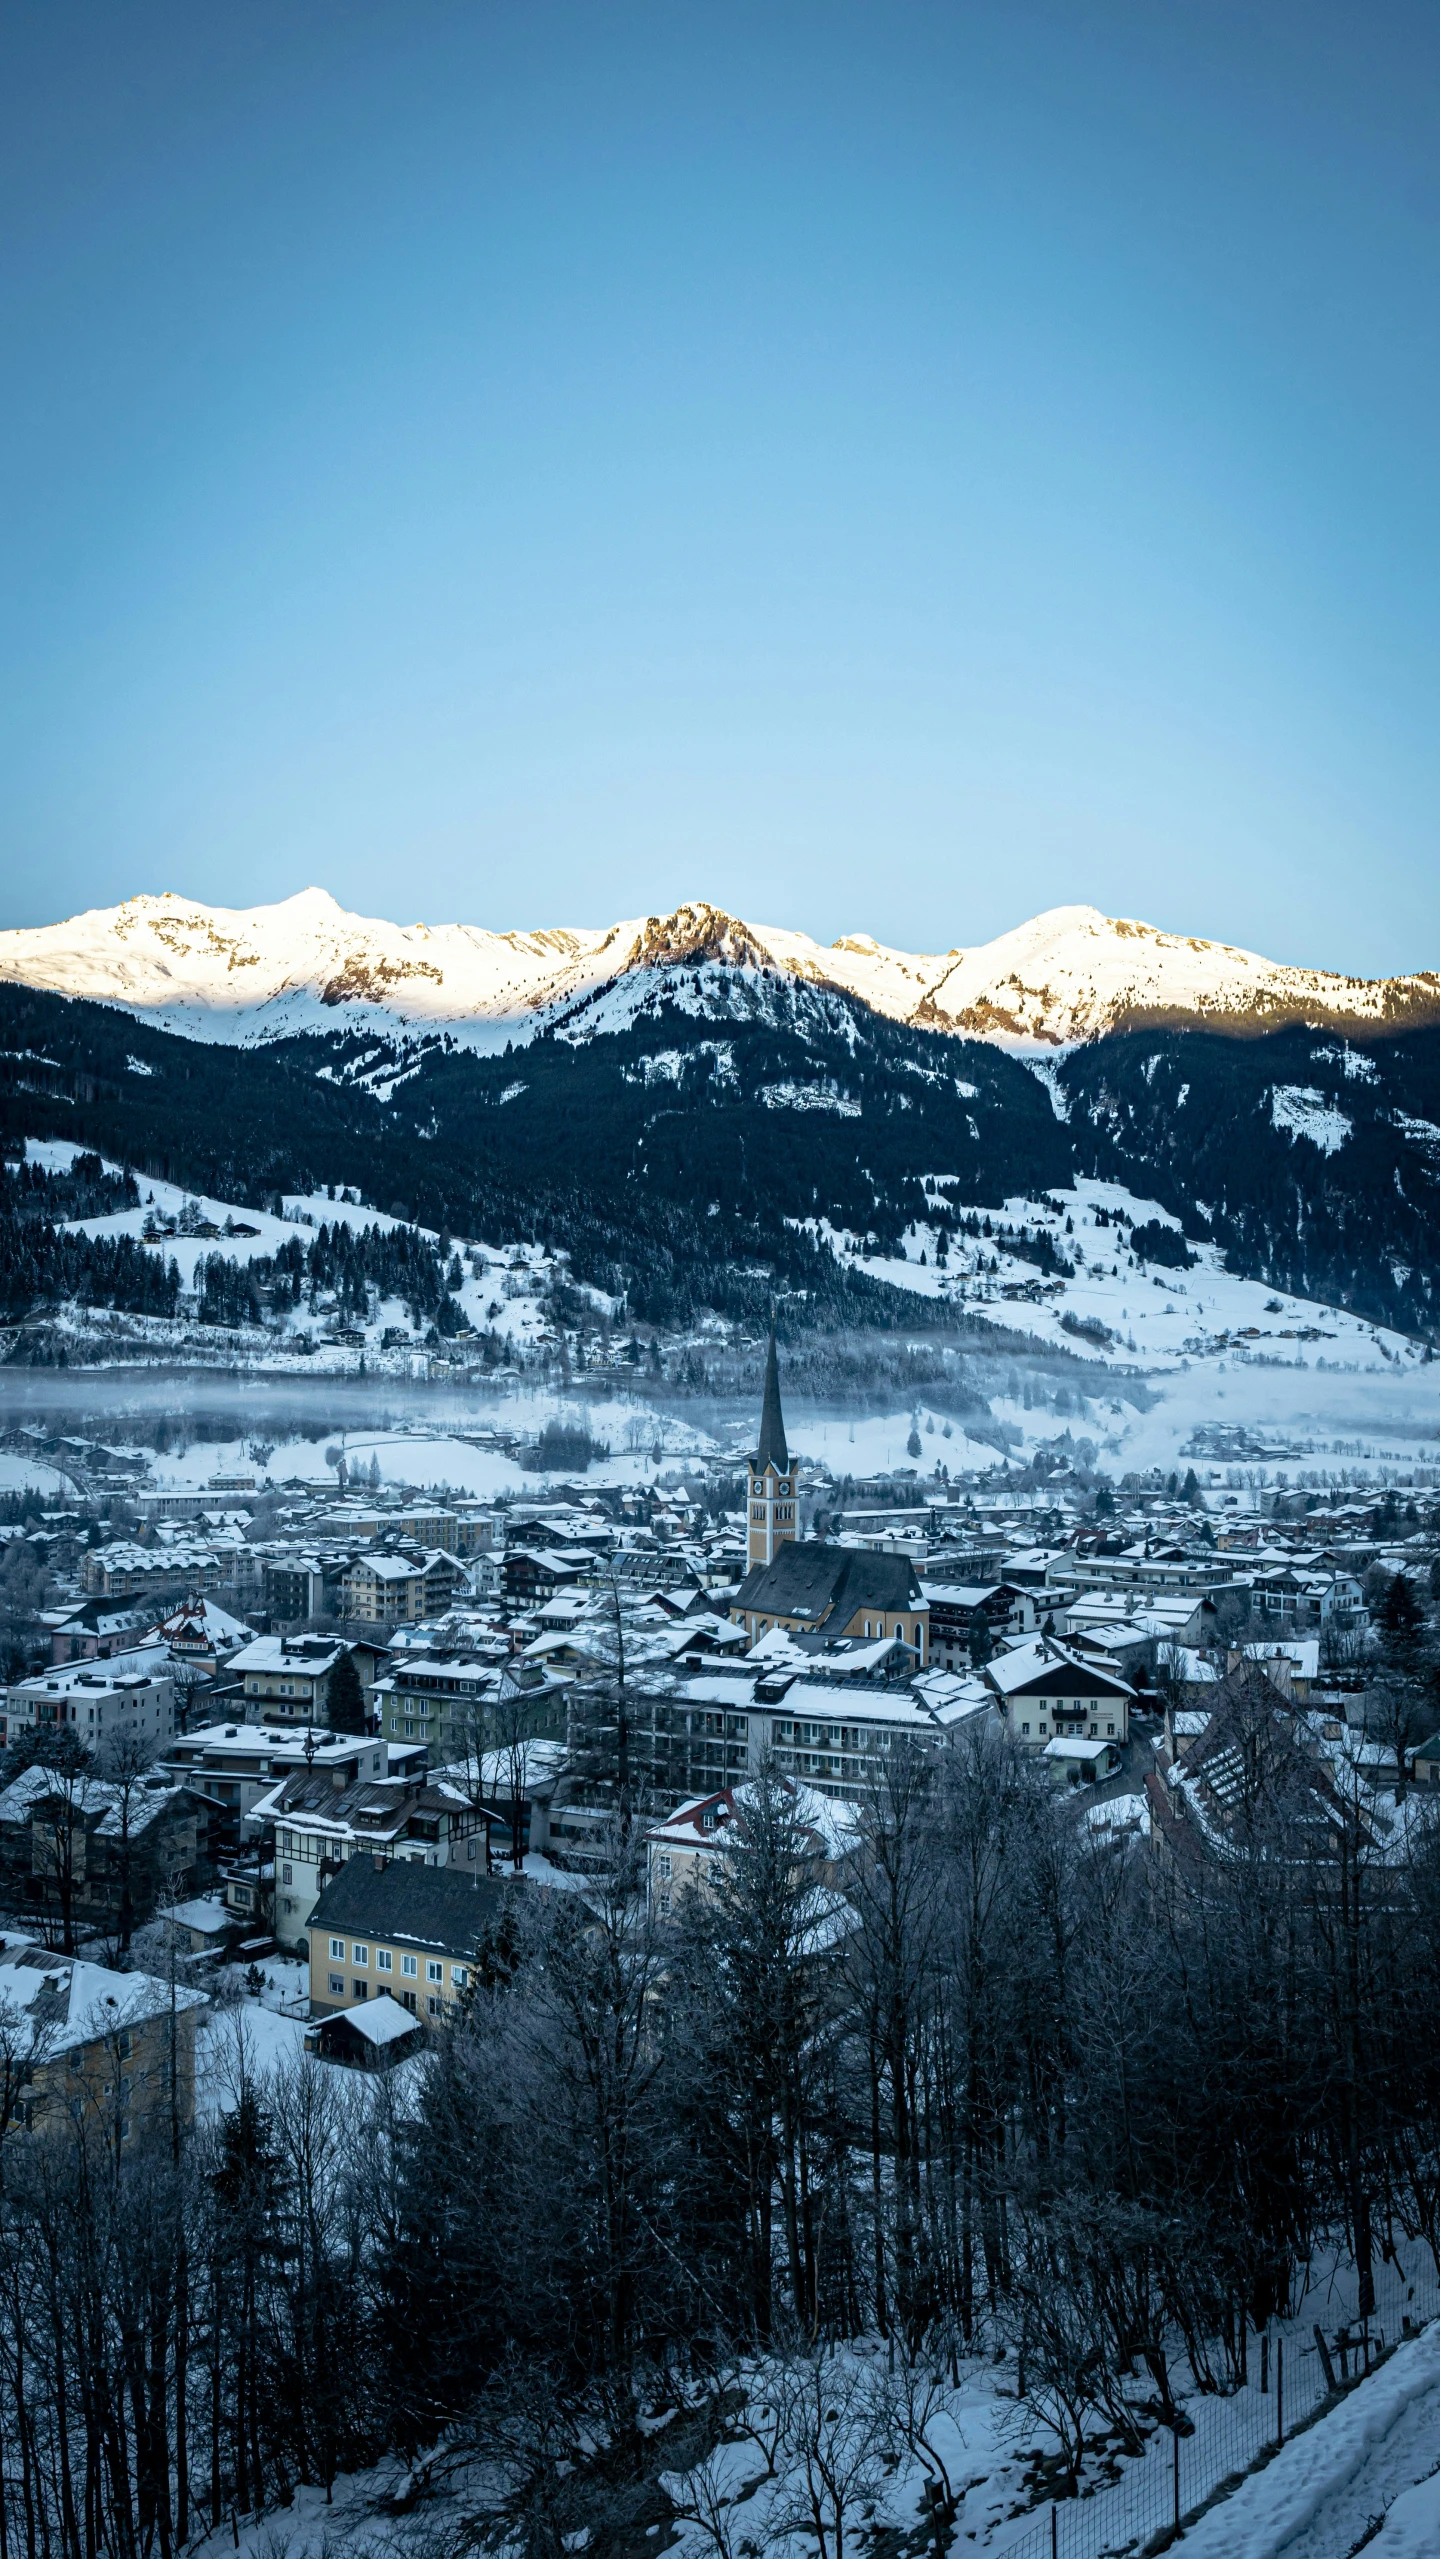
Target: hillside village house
column 109, row 1572
column 962, row 1612
column 83, row 1852
column 87, row 2045
column 410, row 1930
column 233, row 1765
column 684, row 1852
column 395, row 1590
column 317, row 1831
column 1045, row 1692
column 289, row 1677
column 833, row 1735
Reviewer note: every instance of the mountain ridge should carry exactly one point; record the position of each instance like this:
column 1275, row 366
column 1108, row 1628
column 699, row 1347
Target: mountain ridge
column 1069, row 976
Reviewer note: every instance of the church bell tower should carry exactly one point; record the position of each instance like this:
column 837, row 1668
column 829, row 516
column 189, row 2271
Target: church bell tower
column 772, row 1476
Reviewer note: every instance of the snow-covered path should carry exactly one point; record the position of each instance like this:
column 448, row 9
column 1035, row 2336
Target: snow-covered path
column 1323, row 2496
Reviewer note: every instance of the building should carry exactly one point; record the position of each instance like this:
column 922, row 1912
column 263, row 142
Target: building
column 159, row 1572
column 393, row 1926
column 293, row 1587
column 289, row 1678
column 970, row 1616
column 1045, row 1692
column 233, row 1765
column 835, row 1736
column 317, row 1831
column 395, row 1590
column 771, row 1506
column 100, row 2050
column 82, row 1852
column 95, row 1629
column 123, row 1705
column 684, row 1853
column 372, row 2035
column 812, row 1588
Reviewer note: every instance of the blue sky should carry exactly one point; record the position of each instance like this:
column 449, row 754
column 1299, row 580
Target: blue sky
column 883, row 468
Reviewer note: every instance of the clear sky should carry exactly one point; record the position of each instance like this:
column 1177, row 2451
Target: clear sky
column 879, row 466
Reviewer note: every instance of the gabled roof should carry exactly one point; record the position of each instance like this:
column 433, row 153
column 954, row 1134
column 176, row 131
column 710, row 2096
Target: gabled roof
column 436, row 1909
column 1044, row 1668
column 815, row 1581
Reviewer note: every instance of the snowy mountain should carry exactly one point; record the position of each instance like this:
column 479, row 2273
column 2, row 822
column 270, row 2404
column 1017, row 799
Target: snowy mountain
column 246, row 976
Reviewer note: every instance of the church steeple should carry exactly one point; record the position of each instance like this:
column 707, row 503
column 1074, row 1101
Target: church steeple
column 772, row 1476
column 772, row 1420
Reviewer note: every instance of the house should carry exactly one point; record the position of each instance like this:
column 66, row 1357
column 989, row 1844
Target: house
column 294, row 1587
column 317, row 1830
column 1074, row 1759
column 95, row 1629
column 1425, row 1762
column 814, row 1588
column 87, row 1852
column 531, row 1573
column 201, row 1638
column 124, row 1706
column 684, row 1852
column 394, row 1590
column 110, row 2051
column 836, row 1736
column 964, row 1614
column 289, row 1677
column 373, row 2035
column 1043, row 1690
column 233, row 1765
column 387, row 1925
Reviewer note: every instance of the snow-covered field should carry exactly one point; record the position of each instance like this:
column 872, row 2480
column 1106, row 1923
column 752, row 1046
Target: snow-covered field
column 1151, row 1318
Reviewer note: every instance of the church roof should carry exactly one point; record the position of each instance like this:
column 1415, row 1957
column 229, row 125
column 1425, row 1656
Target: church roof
column 815, row 1581
column 772, row 1450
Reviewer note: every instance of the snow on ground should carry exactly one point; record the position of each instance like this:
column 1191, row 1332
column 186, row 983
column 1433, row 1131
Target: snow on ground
column 1322, row 2495
column 1146, row 1317
column 234, row 2044
column 29, row 1475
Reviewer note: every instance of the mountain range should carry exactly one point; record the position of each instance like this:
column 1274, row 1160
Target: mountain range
column 703, row 1112
column 270, row 972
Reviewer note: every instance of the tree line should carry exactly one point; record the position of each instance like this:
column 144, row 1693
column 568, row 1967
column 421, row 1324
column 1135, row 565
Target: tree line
column 986, row 2074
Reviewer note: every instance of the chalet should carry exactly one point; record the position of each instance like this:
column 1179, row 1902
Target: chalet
column 1045, row 1691
column 684, row 1852
column 394, row 1590
column 531, row 1573
column 970, row 1616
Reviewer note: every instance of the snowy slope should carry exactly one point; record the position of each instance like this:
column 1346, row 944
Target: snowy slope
column 263, row 973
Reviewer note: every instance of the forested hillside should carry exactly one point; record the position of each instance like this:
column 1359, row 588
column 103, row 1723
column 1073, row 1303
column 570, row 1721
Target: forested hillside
column 681, row 1161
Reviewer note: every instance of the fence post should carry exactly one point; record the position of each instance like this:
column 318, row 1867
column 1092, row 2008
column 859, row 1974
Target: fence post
column 1279, row 2392
column 1054, row 2529
column 1175, row 2439
column 1265, row 2364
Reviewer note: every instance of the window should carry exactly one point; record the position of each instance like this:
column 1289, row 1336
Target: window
column 287, row 1875
column 1024, row 1728
column 360, row 1954
column 337, row 1985
column 434, row 2005
column 123, row 2046
column 384, row 1961
column 664, row 1867
column 407, row 1966
column 361, row 1989
column 1110, row 1729
column 460, row 1976
column 434, row 1972
column 337, row 1948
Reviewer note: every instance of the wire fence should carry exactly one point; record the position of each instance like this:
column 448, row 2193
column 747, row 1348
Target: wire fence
column 1295, row 2372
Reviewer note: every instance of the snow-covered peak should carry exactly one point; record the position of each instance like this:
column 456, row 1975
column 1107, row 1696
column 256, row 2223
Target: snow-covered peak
column 252, row 974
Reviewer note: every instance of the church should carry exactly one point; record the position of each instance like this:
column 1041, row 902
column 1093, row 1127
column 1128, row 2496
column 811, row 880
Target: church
column 807, row 1586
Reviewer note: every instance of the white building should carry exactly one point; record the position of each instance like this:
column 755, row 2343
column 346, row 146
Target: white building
column 124, row 1704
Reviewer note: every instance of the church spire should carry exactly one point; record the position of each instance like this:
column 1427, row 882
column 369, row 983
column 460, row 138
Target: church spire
column 772, row 1450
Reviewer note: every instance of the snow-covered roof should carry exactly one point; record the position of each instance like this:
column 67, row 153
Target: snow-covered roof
column 1074, row 1746
column 79, row 2002
column 381, row 2020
